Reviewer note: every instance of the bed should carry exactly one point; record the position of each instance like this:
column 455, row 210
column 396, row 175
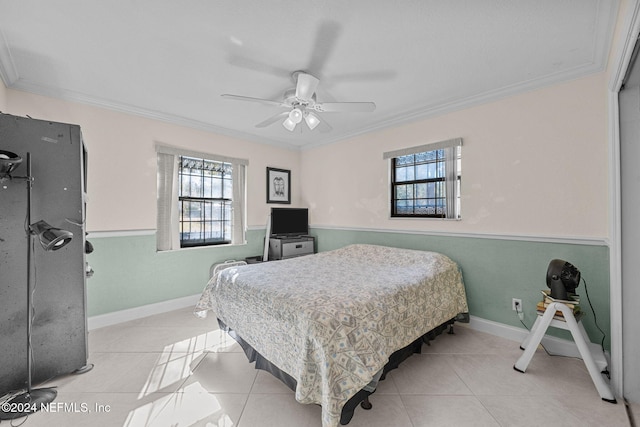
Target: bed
column 330, row 325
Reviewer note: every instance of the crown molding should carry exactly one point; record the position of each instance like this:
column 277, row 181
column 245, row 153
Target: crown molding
column 81, row 98
column 606, row 20
column 12, row 81
column 446, row 107
column 8, row 72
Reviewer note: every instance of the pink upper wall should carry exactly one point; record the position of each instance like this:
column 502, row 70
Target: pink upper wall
column 532, row 164
column 122, row 160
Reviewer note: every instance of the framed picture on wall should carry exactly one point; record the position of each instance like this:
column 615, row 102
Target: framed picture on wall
column 278, row 186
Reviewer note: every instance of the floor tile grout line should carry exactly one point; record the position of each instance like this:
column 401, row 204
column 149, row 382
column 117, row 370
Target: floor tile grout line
column 244, row 406
column 488, row 410
column 406, row 410
column 179, row 393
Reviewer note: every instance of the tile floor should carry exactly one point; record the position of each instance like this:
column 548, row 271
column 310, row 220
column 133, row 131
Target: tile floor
column 176, row 370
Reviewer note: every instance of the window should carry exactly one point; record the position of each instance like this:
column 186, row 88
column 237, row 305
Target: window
column 425, row 180
column 205, row 201
column 201, row 199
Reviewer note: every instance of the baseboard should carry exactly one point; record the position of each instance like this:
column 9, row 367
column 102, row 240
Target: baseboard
column 554, row 345
column 499, row 329
column 102, row 320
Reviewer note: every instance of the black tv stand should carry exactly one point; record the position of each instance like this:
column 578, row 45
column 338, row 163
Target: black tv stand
column 283, row 247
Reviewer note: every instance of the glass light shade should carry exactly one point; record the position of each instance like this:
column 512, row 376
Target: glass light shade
column 51, row 238
column 289, row 124
column 312, row 120
column 295, row 115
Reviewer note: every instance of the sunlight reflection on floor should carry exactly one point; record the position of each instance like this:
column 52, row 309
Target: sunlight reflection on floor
column 174, row 365
column 194, row 406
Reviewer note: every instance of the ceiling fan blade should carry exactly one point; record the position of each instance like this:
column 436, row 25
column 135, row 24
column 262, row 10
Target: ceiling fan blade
column 349, row 107
column 248, row 98
column 324, row 127
column 272, row 120
column 306, row 86
column 326, row 38
column 256, row 65
column 361, row 76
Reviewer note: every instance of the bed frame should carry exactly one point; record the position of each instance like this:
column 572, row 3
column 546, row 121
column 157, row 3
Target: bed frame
column 241, row 297
column 362, row 397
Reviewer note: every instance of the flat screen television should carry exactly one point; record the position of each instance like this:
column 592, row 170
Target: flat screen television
column 289, row 221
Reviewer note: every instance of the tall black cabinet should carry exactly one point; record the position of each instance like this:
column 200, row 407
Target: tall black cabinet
column 58, row 171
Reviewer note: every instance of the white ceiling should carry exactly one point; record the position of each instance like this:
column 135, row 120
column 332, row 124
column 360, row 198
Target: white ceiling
column 171, row 60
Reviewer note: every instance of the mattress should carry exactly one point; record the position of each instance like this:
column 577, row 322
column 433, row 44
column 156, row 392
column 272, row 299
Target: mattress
column 331, row 320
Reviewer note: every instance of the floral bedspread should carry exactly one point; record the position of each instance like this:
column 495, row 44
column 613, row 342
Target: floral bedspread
column 331, row 320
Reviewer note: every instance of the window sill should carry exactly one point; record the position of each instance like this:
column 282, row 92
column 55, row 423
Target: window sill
column 421, row 218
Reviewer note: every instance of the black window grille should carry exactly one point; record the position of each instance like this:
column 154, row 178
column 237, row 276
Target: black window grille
column 205, row 202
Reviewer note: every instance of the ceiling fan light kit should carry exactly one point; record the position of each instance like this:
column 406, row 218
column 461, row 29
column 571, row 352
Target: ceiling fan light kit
column 289, row 124
column 295, row 115
column 311, row 119
column 300, row 100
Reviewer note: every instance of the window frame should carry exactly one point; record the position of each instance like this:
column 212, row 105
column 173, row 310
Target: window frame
column 445, row 194
column 169, row 226
column 414, row 182
column 226, row 229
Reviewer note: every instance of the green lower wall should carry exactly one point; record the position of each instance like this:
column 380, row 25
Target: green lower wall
column 497, row 270
column 130, row 273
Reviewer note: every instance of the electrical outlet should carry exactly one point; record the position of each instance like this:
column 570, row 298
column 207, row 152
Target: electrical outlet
column 516, row 304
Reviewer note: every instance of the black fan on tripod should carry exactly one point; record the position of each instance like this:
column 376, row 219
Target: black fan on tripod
column 562, row 278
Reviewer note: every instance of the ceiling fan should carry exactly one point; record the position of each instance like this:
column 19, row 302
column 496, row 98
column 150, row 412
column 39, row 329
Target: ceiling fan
column 301, row 104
